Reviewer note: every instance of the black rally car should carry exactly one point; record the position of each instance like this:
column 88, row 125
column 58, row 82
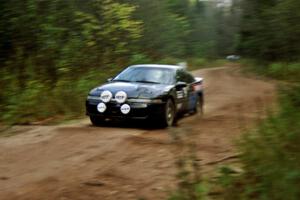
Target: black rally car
column 157, row 92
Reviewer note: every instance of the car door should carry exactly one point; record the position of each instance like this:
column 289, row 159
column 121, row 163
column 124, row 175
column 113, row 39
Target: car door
column 192, row 94
column 182, row 92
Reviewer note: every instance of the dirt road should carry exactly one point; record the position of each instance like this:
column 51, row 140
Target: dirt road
column 78, row 161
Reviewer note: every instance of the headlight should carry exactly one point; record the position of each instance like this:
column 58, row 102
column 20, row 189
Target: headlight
column 145, row 100
column 121, row 97
column 106, row 96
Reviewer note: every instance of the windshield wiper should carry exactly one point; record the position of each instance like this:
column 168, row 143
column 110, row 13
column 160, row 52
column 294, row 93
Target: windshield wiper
column 121, row 80
column 147, row 82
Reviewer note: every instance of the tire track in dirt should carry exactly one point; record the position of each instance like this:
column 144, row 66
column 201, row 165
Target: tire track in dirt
column 78, row 161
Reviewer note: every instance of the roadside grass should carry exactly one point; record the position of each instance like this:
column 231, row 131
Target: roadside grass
column 195, row 63
column 39, row 103
column 270, row 153
column 200, row 63
column 271, row 156
column 283, row 71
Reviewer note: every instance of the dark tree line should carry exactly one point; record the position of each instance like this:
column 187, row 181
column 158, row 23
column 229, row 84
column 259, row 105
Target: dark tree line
column 52, row 37
column 270, row 29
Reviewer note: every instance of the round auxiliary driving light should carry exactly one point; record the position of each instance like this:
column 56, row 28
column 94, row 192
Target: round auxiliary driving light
column 121, row 97
column 125, row 109
column 106, row 96
column 101, row 107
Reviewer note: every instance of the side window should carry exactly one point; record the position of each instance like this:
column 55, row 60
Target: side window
column 180, row 76
column 184, row 77
column 189, row 78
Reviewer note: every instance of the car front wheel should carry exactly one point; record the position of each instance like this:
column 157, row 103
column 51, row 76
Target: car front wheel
column 168, row 116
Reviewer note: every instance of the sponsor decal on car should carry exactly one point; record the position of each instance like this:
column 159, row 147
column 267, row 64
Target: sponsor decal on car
column 180, row 94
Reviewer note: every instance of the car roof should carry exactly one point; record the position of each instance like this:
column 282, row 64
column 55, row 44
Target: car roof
column 158, row 66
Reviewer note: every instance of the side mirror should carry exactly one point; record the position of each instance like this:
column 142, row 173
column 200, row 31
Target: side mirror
column 198, row 80
column 109, row 79
column 179, row 85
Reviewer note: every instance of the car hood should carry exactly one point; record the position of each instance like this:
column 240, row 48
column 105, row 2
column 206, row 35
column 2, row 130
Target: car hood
column 133, row 90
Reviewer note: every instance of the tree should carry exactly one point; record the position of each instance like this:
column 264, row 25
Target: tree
column 269, row 29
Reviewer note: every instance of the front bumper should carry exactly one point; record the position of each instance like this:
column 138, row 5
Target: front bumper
column 137, row 111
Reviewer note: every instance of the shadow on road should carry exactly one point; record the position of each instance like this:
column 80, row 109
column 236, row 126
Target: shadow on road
column 130, row 124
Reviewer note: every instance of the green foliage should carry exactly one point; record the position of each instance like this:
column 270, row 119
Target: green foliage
column 284, row 71
column 52, row 47
column 37, row 101
column 139, row 59
column 198, row 191
column 198, row 63
column 270, row 30
column 278, row 70
column 170, row 61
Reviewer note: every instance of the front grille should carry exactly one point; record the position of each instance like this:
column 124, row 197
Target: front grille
column 113, row 110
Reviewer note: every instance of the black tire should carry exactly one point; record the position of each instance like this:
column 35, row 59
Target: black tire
column 168, row 116
column 96, row 121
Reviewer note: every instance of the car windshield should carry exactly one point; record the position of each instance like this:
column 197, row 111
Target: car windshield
column 147, row 75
